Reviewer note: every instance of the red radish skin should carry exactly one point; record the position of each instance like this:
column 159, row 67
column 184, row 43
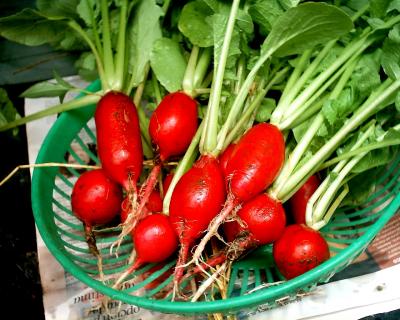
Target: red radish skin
column 298, row 202
column 253, row 165
column 225, row 156
column 95, row 200
column 155, row 203
column 119, row 143
column 173, row 124
column 196, row 200
column 255, row 161
column 167, row 182
column 172, row 127
column 154, row 240
column 126, row 209
column 298, row 250
column 263, row 217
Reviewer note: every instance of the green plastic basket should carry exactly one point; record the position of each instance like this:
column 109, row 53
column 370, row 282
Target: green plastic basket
column 349, row 233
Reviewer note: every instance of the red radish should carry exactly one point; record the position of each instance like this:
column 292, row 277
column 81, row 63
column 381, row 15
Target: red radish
column 263, row 217
column 298, row 250
column 253, row 165
column 298, row 202
column 167, row 182
column 126, row 209
column 255, row 161
column 155, row 203
column 172, row 126
column 118, row 139
column 95, row 200
column 196, row 200
column 225, row 156
column 154, row 240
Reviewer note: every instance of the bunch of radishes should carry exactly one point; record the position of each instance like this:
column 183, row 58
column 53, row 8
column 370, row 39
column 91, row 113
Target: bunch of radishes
column 223, row 153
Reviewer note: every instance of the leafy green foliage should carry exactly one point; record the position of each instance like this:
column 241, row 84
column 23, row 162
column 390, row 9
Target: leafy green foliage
column 195, row 23
column 8, row 112
column 32, row 28
column 58, row 8
column 168, row 63
column 143, row 31
column 305, row 26
column 264, row 111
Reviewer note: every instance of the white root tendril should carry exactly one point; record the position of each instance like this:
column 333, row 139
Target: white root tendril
column 209, row 281
column 213, row 229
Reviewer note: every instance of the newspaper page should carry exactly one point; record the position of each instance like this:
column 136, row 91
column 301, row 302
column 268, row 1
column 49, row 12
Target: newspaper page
column 370, row 285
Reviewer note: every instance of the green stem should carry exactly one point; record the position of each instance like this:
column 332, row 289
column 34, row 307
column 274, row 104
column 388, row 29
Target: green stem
column 352, row 153
column 73, row 104
column 301, row 147
column 253, row 106
column 290, row 91
column 370, row 107
column 332, row 209
column 182, row 167
column 241, row 75
column 238, row 102
column 297, row 115
column 107, row 53
column 188, row 79
column 120, row 55
column 333, row 188
column 210, row 140
column 166, row 6
column 94, row 30
column 143, row 120
column 202, row 67
column 357, row 46
column 100, row 68
column 324, row 185
column 156, row 87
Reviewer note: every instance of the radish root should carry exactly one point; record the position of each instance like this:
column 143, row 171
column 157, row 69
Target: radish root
column 230, row 205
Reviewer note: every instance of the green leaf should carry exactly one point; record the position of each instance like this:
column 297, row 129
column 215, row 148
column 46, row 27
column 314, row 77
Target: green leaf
column 45, row 89
column 287, row 4
column 361, row 187
column 356, row 4
column 305, row 26
column 31, row 28
column 86, row 65
column 390, row 59
column 264, row 13
column 378, row 8
column 397, row 102
column 244, row 22
column 168, row 63
column 8, row 112
column 366, row 75
column 61, row 81
column 265, row 110
column 195, row 25
column 58, row 8
column 143, row 32
column 394, row 34
column 219, row 22
column 393, row 6
column 88, row 9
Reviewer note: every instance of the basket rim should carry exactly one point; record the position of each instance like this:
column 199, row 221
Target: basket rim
column 230, row 304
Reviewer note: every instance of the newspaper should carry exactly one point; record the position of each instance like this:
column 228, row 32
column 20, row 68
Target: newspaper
column 368, row 286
